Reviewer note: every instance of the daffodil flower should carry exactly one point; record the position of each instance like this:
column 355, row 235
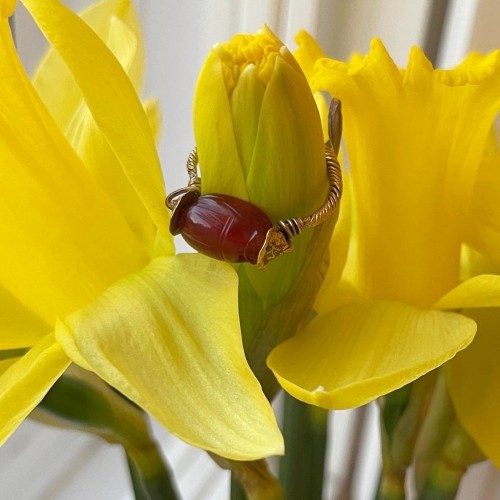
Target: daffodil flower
column 88, row 270
column 261, row 140
column 414, row 139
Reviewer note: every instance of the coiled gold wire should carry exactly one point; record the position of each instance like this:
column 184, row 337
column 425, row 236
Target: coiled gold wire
column 192, row 168
column 294, row 226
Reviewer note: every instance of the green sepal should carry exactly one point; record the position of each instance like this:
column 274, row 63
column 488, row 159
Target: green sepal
column 401, row 416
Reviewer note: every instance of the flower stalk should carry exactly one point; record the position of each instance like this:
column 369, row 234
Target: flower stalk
column 251, row 480
column 444, row 450
column 305, row 430
column 448, row 468
column 402, row 413
column 150, row 476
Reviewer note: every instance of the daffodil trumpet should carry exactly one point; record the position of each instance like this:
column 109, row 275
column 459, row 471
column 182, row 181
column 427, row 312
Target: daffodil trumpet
column 227, row 228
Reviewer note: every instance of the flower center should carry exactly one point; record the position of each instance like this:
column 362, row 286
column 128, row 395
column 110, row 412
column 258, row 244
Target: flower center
column 259, row 50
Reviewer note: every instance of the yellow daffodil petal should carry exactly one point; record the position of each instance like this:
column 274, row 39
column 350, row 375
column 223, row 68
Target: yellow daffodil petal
column 111, row 99
column 246, row 103
column 214, row 131
column 19, row 327
column 93, row 148
column 6, row 363
column 7, row 8
column 168, row 338
column 63, row 241
column 53, row 80
column 479, row 291
column 302, row 186
column 152, row 109
column 24, row 383
column 307, row 53
column 473, row 380
column 299, row 172
column 59, row 91
column 359, row 352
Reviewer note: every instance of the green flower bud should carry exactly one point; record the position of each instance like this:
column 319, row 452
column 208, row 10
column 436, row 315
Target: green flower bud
column 259, row 138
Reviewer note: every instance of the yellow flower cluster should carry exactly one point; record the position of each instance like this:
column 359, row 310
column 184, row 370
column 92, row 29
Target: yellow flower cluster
column 89, row 273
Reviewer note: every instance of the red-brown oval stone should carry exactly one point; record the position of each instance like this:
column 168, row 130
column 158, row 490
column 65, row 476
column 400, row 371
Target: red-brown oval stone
column 224, row 227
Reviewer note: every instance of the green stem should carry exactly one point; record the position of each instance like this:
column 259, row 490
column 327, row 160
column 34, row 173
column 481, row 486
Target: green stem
column 443, row 482
column 401, row 417
column 447, row 470
column 150, row 475
column 237, row 491
column 254, row 479
column 302, row 468
column 391, row 486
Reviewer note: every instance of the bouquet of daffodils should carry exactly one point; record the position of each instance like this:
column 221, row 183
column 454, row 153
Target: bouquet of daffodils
column 377, row 284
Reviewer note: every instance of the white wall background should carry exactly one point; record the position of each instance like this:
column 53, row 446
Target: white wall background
column 40, row 463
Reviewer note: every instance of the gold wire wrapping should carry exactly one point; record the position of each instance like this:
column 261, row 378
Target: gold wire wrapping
column 295, row 226
column 279, row 237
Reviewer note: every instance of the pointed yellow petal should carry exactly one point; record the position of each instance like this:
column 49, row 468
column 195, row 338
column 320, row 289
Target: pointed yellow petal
column 19, row 327
column 169, row 339
column 93, row 148
column 111, row 99
column 307, row 53
column 53, row 80
column 63, row 241
column 282, row 159
column 7, row 8
column 361, row 351
column 480, row 291
column 24, row 383
column 473, row 380
column 59, row 91
column 246, row 102
column 295, row 173
column 214, row 131
column 153, row 112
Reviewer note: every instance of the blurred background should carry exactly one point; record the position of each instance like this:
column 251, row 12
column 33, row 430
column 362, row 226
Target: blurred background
column 42, row 463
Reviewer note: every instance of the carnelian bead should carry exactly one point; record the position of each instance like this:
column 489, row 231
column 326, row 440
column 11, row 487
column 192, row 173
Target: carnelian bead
column 222, row 227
